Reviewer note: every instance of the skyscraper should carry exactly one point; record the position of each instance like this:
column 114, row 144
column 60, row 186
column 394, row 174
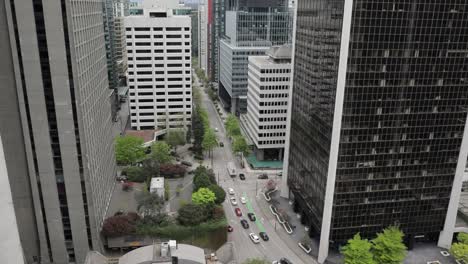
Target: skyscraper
column 56, row 105
column 159, row 74
column 379, row 108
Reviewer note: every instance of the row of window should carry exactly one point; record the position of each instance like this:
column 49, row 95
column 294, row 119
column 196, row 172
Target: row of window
column 159, row 93
column 277, row 134
column 156, row 36
column 157, row 29
column 170, row 65
column 188, row 113
column 272, row 119
column 274, row 111
column 274, row 79
column 274, row 87
column 270, row 142
column 273, row 127
column 158, row 79
column 275, row 71
column 273, row 103
column 282, row 95
column 158, row 72
column 159, row 51
column 159, row 106
column 158, row 43
column 157, row 58
column 161, row 100
column 160, row 86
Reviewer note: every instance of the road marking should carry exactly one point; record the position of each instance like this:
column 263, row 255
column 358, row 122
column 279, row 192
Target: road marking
column 257, row 222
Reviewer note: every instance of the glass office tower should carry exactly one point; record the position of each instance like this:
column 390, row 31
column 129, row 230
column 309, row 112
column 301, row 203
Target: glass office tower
column 379, row 108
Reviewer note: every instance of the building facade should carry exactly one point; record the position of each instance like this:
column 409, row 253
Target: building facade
column 195, row 42
column 121, row 10
column 203, row 34
column 248, row 33
column 63, row 158
column 159, row 69
column 378, row 117
column 216, row 32
column 265, row 122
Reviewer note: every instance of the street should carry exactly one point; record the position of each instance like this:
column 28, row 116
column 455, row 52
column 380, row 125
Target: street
column 250, row 188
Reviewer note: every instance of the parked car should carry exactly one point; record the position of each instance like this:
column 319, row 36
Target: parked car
column 244, row 223
column 233, row 201
column 216, row 129
column 282, row 261
column 254, row 238
column 231, row 191
column 280, row 173
column 262, row 176
column 264, row 236
column 251, row 216
column 221, row 144
column 242, row 176
column 122, row 178
column 230, row 228
column 243, row 200
column 186, row 163
column 238, row 212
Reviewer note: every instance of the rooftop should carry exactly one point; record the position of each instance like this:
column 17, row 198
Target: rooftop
column 146, row 135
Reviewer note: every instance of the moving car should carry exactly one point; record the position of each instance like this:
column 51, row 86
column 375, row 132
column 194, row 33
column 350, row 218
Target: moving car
column 254, row 238
column 244, row 223
column 186, row 163
column 243, row 200
column 233, row 201
column 231, row 191
column 282, row 261
column 230, row 228
column 221, row 144
column 216, row 129
column 238, row 212
column 264, row 236
column 263, row 176
column 251, row 216
column 242, row 176
column 280, row 173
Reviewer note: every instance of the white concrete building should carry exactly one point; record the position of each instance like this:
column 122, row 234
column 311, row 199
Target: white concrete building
column 203, row 35
column 159, row 69
column 267, row 102
column 157, row 186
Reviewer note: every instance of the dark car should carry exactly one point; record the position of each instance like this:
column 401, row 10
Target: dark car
column 244, row 223
column 264, row 236
column 242, row 176
column 230, row 228
column 221, row 144
column 251, row 216
column 263, row 176
column 285, row 261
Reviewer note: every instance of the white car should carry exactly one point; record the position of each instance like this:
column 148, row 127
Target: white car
column 254, row 238
column 216, row 129
column 231, row 191
column 243, row 200
column 233, row 201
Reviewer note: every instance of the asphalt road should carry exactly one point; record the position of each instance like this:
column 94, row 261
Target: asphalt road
column 273, row 249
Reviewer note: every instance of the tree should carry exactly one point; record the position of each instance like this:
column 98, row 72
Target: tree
column 232, row 126
column 388, row 247
column 118, row 225
column 203, row 196
column 150, row 168
column 175, row 137
column 191, row 214
column 460, row 249
column 135, row 174
column 172, row 170
column 201, row 181
column 129, row 150
column 255, row 261
column 240, row 145
column 209, row 141
column 150, row 204
column 358, row 251
column 188, row 134
column 161, row 152
column 198, row 133
column 219, row 192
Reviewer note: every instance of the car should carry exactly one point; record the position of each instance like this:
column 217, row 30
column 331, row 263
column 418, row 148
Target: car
column 264, row 236
column 216, row 129
column 251, row 216
column 221, row 144
column 262, row 176
column 238, row 212
column 243, row 200
column 186, row 163
column 254, row 238
column 233, row 201
column 244, row 223
column 242, row 176
column 282, row 261
column 280, row 173
column 231, row 191
column 230, row 228
column 122, row 178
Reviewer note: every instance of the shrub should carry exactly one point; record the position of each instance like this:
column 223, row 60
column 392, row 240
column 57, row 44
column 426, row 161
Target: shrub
column 172, row 170
column 219, row 193
column 119, row 225
column 191, row 214
column 135, row 174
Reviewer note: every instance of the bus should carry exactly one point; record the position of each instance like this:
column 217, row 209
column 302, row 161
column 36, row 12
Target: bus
column 231, row 169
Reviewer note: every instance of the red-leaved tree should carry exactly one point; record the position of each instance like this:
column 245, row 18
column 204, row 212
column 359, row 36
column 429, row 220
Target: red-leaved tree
column 118, row 225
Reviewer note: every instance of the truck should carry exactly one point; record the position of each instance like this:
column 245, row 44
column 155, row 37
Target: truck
column 231, row 169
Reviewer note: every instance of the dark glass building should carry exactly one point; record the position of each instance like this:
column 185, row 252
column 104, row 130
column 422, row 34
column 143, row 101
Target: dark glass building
column 379, row 107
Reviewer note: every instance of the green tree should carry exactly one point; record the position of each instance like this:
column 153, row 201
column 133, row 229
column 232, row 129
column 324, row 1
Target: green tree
column 209, row 141
column 358, row 251
column 150, row 204
column 175, row 137
column 240, row 145
column 203, row 196
column 161, row 152
column 256, row 261
column 129, row 150
column 388, row 247
column 460, row 252
column 232, row 126
column 201, row 181
column 462, row 238
column 188, row 134
column 198, row 132
column 191, row 214
column 219, row 192
column 204, row 118
column 150, row 168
